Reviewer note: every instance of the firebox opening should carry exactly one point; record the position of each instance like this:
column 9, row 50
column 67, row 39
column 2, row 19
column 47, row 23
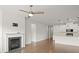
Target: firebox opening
column 14, row 43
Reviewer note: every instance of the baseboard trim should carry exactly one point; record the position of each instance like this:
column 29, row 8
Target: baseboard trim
column 36, row 41
column 28, row 43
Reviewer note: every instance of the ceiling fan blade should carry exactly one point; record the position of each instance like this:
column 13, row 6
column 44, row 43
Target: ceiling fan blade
column 38, row 12
column 24, row 11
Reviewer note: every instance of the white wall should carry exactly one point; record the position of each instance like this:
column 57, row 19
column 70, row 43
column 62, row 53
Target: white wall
column 35, row 31
column 41, row 32
column 8, row 19
column 0, row 31
column 28, row 34
column 60, row 36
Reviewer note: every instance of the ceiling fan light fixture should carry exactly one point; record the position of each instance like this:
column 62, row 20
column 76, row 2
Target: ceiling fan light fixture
column 30, row 15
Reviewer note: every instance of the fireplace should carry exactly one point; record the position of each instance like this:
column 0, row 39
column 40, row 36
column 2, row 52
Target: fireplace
column 14, row 43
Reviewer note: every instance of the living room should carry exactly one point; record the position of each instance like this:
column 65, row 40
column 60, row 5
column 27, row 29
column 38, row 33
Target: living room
column 39, row 28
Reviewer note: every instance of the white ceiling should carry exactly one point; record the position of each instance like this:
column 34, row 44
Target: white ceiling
column 52, row 12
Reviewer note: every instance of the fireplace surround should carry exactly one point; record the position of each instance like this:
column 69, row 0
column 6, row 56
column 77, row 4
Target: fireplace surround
column 14, row 41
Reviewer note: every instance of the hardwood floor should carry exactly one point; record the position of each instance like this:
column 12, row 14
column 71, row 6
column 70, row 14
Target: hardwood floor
column 61, row 48
column 47, row 46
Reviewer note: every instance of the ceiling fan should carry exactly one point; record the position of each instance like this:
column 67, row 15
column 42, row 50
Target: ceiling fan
column 31, row 12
